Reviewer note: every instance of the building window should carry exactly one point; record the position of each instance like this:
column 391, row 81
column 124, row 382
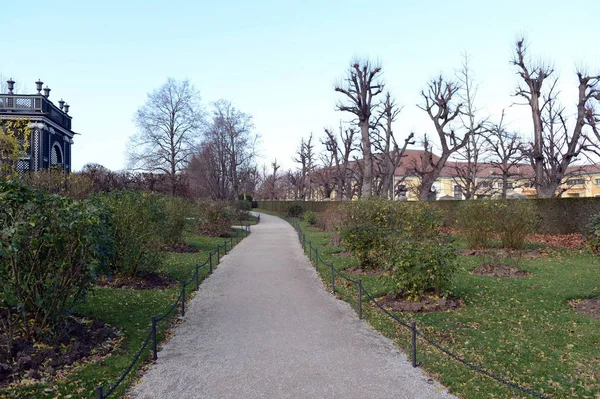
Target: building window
column 487, row 184
column 509, row 185
column 457, row 192
column 572, row 182
column 597, row 182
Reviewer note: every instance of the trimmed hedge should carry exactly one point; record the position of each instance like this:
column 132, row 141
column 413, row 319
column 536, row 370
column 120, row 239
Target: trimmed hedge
column 556, row 216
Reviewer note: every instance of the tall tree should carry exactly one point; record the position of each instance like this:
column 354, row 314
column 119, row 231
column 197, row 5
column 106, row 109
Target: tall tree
column 305, row 156
column 390, row 154
column 229, row 151
column 341, row 151
column 361, row 85
column 555, row 145
column 472, row 155
column 441, row 107
column 169, row 125
column 506, row 153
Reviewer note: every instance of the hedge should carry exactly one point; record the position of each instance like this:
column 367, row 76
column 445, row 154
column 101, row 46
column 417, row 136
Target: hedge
column 557, row 215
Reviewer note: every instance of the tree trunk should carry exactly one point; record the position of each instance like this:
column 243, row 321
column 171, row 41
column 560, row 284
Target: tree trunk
column 367, row 180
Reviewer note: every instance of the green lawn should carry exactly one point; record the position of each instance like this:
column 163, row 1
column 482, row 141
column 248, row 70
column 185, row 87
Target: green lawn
column 521, row 329
column 131, row 311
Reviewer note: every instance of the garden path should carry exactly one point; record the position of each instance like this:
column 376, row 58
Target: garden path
column 264, row 326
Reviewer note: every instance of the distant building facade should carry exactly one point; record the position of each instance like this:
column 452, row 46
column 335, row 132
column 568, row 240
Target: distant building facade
column 50, row 137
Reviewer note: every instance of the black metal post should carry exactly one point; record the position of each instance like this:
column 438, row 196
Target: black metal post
column 310, row 251
column 303, row 242
column 231, row 242
column 210, row 267
column 332, row 279
column 154, row 343
column 413, row 326
column 360, row 295
column 317, row 258
column 183, row 298
column 197, row 277
column 218, row 254
column 100, row 392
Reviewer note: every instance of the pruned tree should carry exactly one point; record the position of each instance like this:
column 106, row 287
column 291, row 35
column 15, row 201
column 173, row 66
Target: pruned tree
column 360, row 86
column 442, row 108
column 305, row 156
column 390, row 154
column 506, row 154
column 169, row 125
column 325, row 176
column 555, row 146
column 341, row 148
column 471, row 157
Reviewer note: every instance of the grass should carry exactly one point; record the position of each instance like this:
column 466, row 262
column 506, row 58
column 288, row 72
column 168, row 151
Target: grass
column 520, row 329
column 130, row 311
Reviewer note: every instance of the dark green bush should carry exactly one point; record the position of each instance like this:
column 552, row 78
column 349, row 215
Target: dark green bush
column 242, row 209
column 177, row 212
column 514, row 219
column 214, row 219
column 592, row 236
column 421, row 266
column 294, row 210
column 477, row 220
column 138, row 229
column 310, row 217
column 48, row 244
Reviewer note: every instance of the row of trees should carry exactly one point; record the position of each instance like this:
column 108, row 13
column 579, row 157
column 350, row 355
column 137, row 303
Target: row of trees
column 362, row 157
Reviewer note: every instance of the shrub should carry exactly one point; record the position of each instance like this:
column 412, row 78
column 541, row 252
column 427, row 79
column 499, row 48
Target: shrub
column 295, row 210
column 47, row 246
column 310, row 217
column 514, row 219
column 592, row 236
column 421, row 266
column 477, row 221
column 57, row 181
column 138, row 229
column 177, row 211
column 213, row 219
column 242, row 209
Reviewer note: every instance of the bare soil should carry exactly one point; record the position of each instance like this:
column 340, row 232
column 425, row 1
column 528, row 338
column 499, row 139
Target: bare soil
column 182, row 249
column 589, row 307
column 141, row 282
column 81, row 340
column 425, row 304
column 500, row 270
column 358, row 271
column 504, row 253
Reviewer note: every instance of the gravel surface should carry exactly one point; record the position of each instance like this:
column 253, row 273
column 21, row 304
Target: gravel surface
column 263, row 326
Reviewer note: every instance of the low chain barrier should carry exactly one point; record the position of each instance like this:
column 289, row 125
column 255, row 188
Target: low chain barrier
column 211, row 263
column 313, row 255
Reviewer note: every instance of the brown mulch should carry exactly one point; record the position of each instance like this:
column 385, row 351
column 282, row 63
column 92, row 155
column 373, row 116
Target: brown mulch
column 182, row 249
column 81, row 340
column 571, row 241
column 504, row 253
column 358, row 271
column 500, row 270
column 589, row 307
column 141, row 282
column 425, row 304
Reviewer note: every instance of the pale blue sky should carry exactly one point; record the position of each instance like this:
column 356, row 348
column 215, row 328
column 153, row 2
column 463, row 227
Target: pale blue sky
column 278, row 60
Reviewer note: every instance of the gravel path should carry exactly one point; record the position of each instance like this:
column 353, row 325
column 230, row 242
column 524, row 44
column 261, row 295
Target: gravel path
column 263, row 326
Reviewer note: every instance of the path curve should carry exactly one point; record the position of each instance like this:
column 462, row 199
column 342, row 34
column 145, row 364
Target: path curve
column 263, row 326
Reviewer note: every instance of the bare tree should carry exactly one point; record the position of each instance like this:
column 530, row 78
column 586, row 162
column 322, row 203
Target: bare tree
column 361, row 86
column 390, row 153
column 305, row 156
column 439, row 103
column 555, row 146
column 506, row 154
column 169, row 125
column 469, row 169
column 341, row 152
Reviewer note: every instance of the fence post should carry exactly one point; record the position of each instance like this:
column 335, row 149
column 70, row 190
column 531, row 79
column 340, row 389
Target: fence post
column 231, row 242
column 332, row 279
column 310, row 251
column 413, row 327
column 316, row 258
column 303, row 242
column 210, row 267
column 218, row 254
column 183, row 298
column 197, row 277
column 100, row 392
column 360, row 297
column 154, row 343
